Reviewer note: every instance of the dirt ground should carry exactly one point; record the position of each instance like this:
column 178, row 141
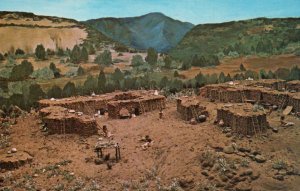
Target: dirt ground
column 173, row 162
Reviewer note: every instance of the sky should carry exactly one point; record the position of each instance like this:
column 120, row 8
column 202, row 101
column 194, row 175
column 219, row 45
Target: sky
column 194, row 11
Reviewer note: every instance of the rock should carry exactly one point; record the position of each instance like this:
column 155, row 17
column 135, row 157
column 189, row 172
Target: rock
column 275, row 130
column 243, row 187
column 256, row 152
column 72, row 173
column 13, row 150
column 228, row 150
column 241, row 154
column 202, row 118
column 247, row 172
column 228, row 134
column 221, row 123
column 98, row 161
column 8, row 152
column 193, row 121
column 279, row 177
column 223, row 177
column 35, row 175
column 255, row 175
column 282, row 172
column 205, row 173
column 244, row 149
column 260, row 159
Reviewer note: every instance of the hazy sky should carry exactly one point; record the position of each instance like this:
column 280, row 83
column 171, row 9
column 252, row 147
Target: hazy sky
column 194, row 11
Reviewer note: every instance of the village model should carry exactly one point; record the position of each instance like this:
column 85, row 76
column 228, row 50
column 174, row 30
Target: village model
column 95, row 97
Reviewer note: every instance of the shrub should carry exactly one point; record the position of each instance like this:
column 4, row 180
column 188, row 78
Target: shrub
column 19, row 52
column 40, row 52
column 104, row 58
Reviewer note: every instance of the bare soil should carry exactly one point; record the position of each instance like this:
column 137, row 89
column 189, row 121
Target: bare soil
column 174, row 157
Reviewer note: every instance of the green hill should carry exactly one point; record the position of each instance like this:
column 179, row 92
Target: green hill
column 246, row 37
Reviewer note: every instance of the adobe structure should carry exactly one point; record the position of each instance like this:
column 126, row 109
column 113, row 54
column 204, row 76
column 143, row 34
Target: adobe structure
column 243, row 118
column 136, row 102
column 60, row 120
column 14, row 160
column 241, row 91
column 293, row 85
column 190, row 107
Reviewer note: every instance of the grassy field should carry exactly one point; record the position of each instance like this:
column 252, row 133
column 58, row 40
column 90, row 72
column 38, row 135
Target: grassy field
column 231, row 65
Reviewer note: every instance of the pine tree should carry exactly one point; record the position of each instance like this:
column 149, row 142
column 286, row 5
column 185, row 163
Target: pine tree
column 152, row 56
column 75, row 55
column 40, row 52
column 84, row 54
column 101, row 86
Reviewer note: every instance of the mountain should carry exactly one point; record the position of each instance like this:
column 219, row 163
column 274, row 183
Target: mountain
column 26, row 30
column 246, row 37
column 151, row 30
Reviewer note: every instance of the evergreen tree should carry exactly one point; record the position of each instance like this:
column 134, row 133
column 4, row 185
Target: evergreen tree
column 84, row 54
column 295, row 73
column 1, row 57
column 117, row 75
column 176, row 74
column 55, row 92
column 222, row 78
column 104, row 58
column 40, row 52
column 242, row 68
column 69, row 90
column 167, row 61
column 60, row 52
column 56, row 71
column 228, row 78
column 152, row 56
column 90, row 85
column 101, row 82
column 22, row 71
column 200, row 80
column 137, row 60
column 263, row 74
column 80, row 71
column 75, row 55
column 35, row 93
column 19, row 52
column 163, row 82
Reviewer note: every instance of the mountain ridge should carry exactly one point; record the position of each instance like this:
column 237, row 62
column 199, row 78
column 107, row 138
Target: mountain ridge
column 154, row 30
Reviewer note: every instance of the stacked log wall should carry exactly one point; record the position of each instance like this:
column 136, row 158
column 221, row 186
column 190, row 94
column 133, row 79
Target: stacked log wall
column 242, row 124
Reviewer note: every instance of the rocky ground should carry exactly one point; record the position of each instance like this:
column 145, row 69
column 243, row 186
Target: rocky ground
column 181, row 157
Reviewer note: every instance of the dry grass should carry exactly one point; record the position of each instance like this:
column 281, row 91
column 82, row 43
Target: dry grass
column 252, row 63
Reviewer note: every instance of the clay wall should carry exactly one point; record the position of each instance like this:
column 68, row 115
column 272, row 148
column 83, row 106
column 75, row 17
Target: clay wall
column 140, row 105
column 188, row 110
column 59, row 121
column 233, row 94
column 293, row 85
column 243, row 124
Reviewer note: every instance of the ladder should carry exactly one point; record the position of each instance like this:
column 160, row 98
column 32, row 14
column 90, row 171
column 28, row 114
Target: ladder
column 142, row 107
column 254, row 120
column 255, row 124
column 194, row 113
column 282, row 102
column 243, row 96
